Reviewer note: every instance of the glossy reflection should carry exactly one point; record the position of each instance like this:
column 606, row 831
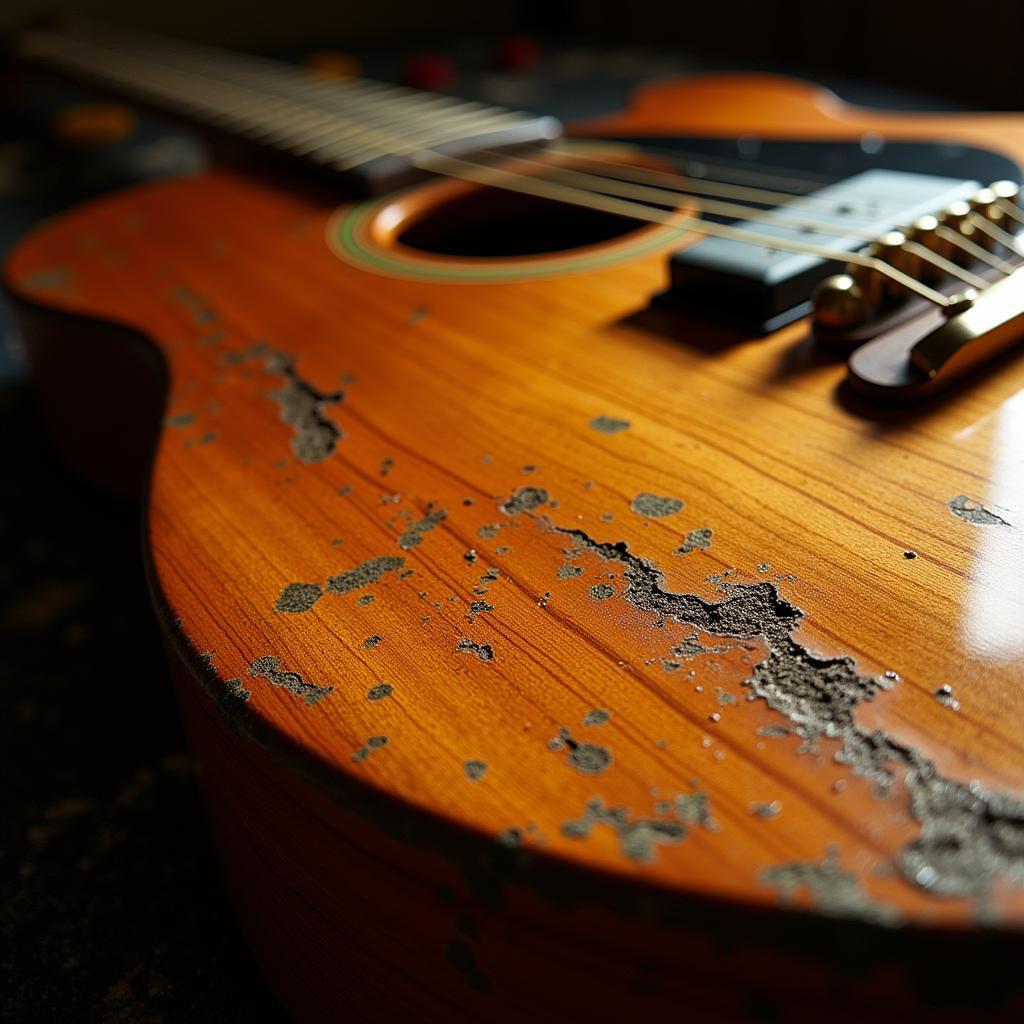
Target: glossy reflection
column 994, row 615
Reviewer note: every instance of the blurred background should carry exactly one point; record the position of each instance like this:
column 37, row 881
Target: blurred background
column 112, row 907
column 942, row 47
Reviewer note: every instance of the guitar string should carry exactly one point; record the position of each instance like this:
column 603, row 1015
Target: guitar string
column 320, row 143
column 261, row 69
column 759, row 195
column 673, row 196
column 489, row 175
column 307, row 84
column 424, row 156
column 178, row 83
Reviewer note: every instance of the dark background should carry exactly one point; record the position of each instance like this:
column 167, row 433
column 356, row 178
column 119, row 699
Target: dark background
column 968, row 52
column 111, row 907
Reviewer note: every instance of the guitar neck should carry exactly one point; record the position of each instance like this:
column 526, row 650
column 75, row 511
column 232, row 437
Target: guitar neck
column 374, row 134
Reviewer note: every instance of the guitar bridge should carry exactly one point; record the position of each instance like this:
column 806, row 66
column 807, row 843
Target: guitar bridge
column 922, row 306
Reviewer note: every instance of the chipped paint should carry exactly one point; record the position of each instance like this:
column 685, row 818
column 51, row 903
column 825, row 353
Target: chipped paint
column 180, row 420
column 478, row 608
column 832, row 890
column 370, row 571
column 511, row 838
column 467, row 646
column 298, row 597
column 586, row 758
column 691, row 647
column 372, row 744
column 695, row 540
column 974, row 512
column 944, row 695
column 597, row 716
column 372, row 641
column 651, row 506
column 766, row 810
column 608, row 425
column 970, row 836
column 380, row 691
column 524, row 499
column 695, row 809
column 638, row 838
column 475, row 770
column 268, row 667
column 300, row 404
column 601, row 592
column 413, row 536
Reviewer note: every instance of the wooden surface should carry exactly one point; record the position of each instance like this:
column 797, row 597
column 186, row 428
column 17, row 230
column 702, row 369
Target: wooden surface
column 456, row 396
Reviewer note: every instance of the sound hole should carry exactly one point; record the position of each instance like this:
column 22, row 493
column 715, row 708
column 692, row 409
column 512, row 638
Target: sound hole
column 495, row 223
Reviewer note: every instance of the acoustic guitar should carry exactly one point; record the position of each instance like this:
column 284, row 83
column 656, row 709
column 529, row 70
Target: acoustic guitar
column 592, row 561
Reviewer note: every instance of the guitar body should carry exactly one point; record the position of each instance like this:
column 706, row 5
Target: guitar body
column 478, row 738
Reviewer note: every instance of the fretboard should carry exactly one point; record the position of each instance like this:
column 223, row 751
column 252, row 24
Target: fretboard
column 371, row 132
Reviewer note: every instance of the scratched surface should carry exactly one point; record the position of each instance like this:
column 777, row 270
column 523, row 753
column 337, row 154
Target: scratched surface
column 512, row 555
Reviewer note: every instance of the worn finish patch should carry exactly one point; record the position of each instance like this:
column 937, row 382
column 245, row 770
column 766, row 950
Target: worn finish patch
column 695, row 540
column 970, row 836
column 372, row 744
column 972, row 511
column 370, row 571
column 483, row 651
column 691, row 647
column 586, row 758
column 269, row 668
column 525, row 499
column 654, row 507
column 608, row 425
column 832, row 890
column 638, row 837
column 414, row 534
column 300, row 404
column 298, row 597
column 695, row 809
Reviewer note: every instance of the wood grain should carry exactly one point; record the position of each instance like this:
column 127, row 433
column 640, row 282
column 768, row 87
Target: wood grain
column 455, row 397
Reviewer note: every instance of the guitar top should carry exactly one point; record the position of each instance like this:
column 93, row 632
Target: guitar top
column 506, row 552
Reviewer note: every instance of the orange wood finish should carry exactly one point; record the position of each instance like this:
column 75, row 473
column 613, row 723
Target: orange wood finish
column 346, row 857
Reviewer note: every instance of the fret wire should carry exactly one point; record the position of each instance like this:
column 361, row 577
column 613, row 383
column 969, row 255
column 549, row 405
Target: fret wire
column 280, row 118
